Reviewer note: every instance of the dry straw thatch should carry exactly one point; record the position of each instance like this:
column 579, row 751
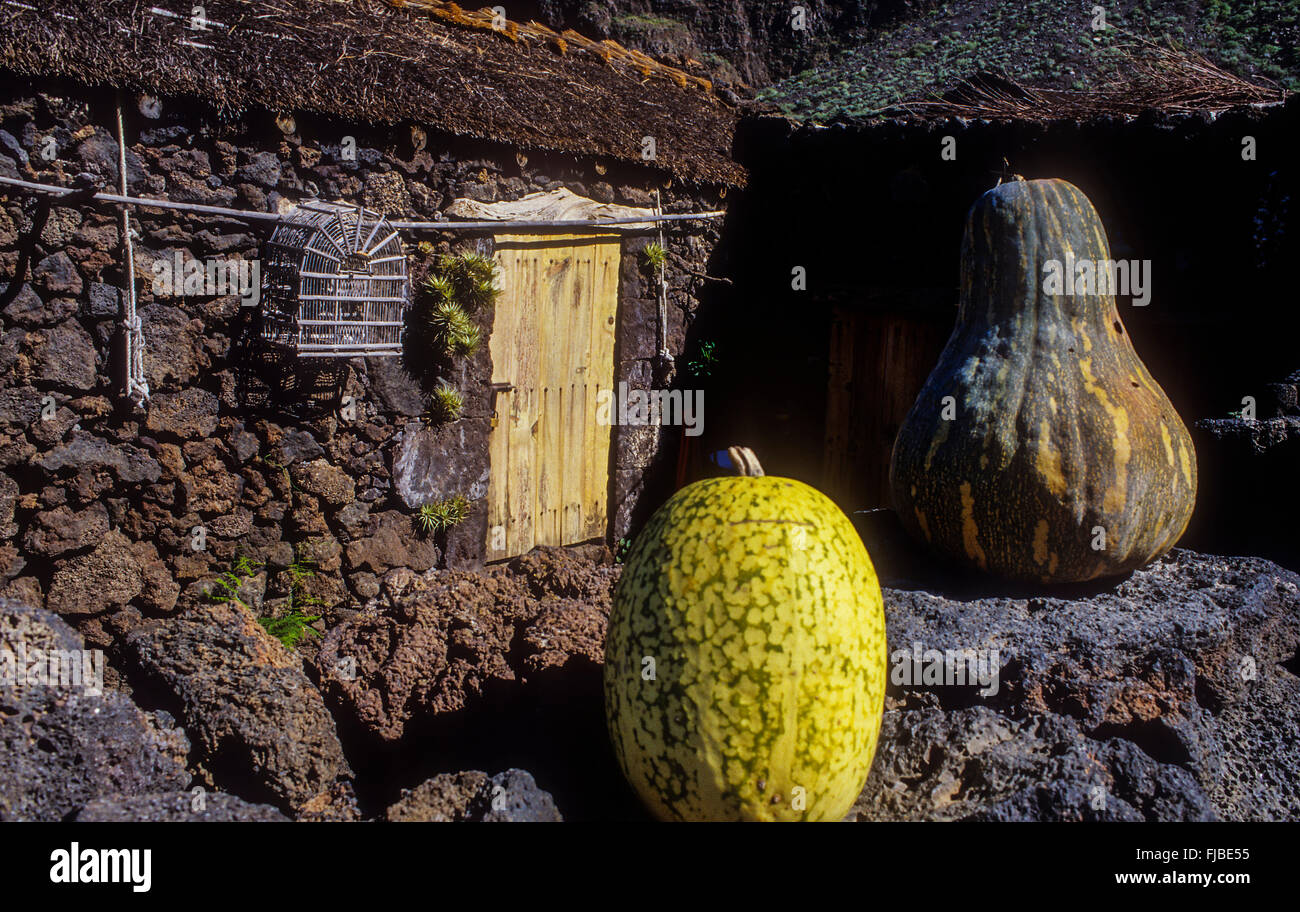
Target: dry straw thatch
column 370, row 61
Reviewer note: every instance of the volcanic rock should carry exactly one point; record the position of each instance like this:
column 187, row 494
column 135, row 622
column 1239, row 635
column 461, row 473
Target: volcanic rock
column 256, row 720
column 62, row 745
column 177, row 807
column 509, row 797
column 1169, row 695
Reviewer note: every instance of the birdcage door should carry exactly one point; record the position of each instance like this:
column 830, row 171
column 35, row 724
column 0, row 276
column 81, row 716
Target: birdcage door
column 552, row 354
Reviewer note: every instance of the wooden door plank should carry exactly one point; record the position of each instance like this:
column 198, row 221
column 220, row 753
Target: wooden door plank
column 590, row 504
column 522, row 469
column 557, row 268
column 501, row 345
column 604, row 312
column 518, row 408
column 577, row 320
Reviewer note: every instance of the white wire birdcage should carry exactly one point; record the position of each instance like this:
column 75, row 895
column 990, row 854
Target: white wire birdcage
column 334, row 283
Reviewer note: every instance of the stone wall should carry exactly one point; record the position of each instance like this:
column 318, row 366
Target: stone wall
column 99, row 502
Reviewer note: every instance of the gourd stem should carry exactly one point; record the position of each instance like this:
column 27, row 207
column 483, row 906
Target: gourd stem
column 744, row 461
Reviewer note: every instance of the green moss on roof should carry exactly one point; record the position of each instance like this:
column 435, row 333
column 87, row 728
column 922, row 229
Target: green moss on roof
column 1036, row 42
column 638, row 22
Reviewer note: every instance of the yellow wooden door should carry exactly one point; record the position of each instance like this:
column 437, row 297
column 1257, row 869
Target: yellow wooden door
column 553, row 341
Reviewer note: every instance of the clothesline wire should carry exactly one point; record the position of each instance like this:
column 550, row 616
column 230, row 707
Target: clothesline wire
column 253, row 215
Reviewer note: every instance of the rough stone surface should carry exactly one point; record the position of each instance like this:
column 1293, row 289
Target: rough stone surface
column 55, row 531
column 64, row 355
column 508, row 797
column 57, row 274
column 330, row 483
column 256, row 720
column 1169, row 695
column 396, row 390
column 90, row 453
column 450, row 638
column 172, row 336
column 27, row 308
column 386, row 194
column 189, row 413
column 390, row 540
column 263, row 168
column 8, row 500
column 177, row 807
column 60, row 746
column 104, row 300
column 431, row 464
column 107, row 577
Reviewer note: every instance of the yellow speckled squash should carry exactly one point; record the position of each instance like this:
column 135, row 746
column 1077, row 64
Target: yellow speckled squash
column 745, row 660
column 1058, row 458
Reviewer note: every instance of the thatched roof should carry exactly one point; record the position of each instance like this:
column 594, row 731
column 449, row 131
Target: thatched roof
column 1142, row 77
column 422, row 61
column 1155, row 78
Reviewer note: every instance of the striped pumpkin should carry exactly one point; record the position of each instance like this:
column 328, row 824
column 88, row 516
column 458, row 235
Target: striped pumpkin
column 745, row 660
column 1058, row 458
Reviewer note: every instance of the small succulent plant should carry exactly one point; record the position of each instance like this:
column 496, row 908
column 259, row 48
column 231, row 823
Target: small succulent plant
column 655, row 256
column 439, row 288
column 447, row 319
column 473, row 279
column 441, row 515
column 448, row 403
column 622, row 549
column 461, row 285
column 465, row 342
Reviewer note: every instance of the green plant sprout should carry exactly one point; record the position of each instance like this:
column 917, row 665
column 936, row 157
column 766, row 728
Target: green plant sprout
column 439, row 288
column 467, row 279
column 447, row 318
column 655, row 256
column 452, row 326
column 473, row 278
column 621, row 550
column 290, row 627
column 448, row 403
column 703, row 363
column 228, row 584
column 299, row 572
column 441, row 515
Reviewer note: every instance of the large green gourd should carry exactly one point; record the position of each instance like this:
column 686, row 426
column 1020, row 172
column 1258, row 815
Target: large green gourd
column 745, row 660
column 1058, row 458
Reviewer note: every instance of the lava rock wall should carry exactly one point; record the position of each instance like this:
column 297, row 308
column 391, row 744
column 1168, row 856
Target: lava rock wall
column 100, row 502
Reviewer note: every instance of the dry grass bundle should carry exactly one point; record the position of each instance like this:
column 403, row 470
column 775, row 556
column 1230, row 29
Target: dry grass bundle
column 607, row 51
